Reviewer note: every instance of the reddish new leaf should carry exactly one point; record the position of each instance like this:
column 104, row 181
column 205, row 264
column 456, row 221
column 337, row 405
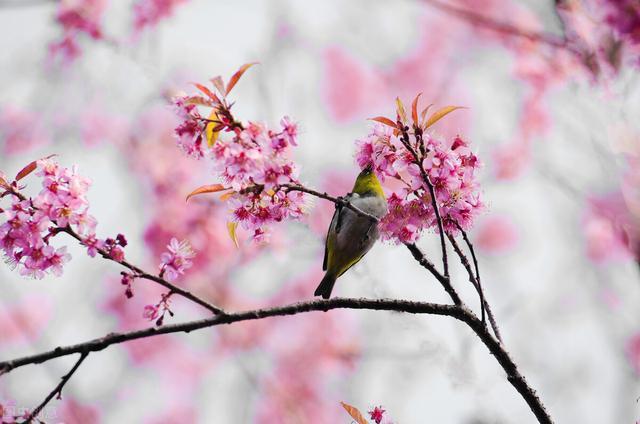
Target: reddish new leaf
column 208, row 92
column 4, row 184
column 424, row 114
column 354, row 412
column 439, row 114
column 414, row 109
column 236, row 77
column 29, row 168
column 400, row 110
column 213, row 188
column 218, row 84
column 384, row 120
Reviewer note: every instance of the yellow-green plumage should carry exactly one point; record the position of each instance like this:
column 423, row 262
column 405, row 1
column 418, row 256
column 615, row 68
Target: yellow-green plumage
column 350, row 235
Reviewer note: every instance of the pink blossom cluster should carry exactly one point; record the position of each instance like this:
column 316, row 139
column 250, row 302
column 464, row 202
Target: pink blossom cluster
column 77, row 17
column 451, row 167
column 254, row 162
column 148, row 13
column 156, row 312
column 30, row 223
column 623, row 16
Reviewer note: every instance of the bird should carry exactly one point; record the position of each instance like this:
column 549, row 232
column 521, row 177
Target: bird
column 351, row 236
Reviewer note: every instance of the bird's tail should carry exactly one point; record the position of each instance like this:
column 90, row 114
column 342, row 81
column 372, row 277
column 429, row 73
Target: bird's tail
column 326, row 286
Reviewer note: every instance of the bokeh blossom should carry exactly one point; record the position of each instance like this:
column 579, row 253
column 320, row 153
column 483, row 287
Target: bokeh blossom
column 77, row 17
column 147, row 13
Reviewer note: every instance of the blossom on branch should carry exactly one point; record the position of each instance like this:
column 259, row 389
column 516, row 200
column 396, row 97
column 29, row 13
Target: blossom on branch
column 253, row 162
column 415, row 159
column 77, row 17
column 177, row 260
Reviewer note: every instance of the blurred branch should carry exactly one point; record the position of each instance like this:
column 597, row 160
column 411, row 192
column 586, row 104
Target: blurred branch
column 478, row 19
column 57, row 391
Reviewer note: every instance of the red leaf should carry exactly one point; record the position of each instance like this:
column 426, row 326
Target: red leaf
column 384, row 120
column 29, row 168
column 354, row 412
column 236, row 77
column 208, row 92
column 218, row 84
column 4, row 184
column 213, row 188
column 414, row 109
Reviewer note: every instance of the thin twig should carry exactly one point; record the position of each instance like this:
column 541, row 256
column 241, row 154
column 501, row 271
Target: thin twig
column 483, row 303
column 139, row 273
column 492, row 319
column 337, row 200
column 57, row 391
column 503, row 27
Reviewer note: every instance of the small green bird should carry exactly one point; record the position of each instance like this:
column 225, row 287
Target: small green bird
column 350, row 235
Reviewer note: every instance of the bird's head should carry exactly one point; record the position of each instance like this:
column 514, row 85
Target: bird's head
column 367, row 183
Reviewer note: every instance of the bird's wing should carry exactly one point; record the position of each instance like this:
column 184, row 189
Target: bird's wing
column 334, row 222
column 364, row 240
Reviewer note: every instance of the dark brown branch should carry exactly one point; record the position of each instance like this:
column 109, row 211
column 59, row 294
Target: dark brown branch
column 224, row 318
column 139, row 273
column 445, row 282
column 57, row 391
column 460, row 313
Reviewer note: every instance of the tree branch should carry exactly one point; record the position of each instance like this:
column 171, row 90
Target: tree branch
column 460, row 313
column 445, row 282
column 57, row 390
column 502, row 27
column 228, row 318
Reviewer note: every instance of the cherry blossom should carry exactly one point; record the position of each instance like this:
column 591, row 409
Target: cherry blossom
column 177, row 260
column 451, row 168
column 376, row 414
column 254, row 162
